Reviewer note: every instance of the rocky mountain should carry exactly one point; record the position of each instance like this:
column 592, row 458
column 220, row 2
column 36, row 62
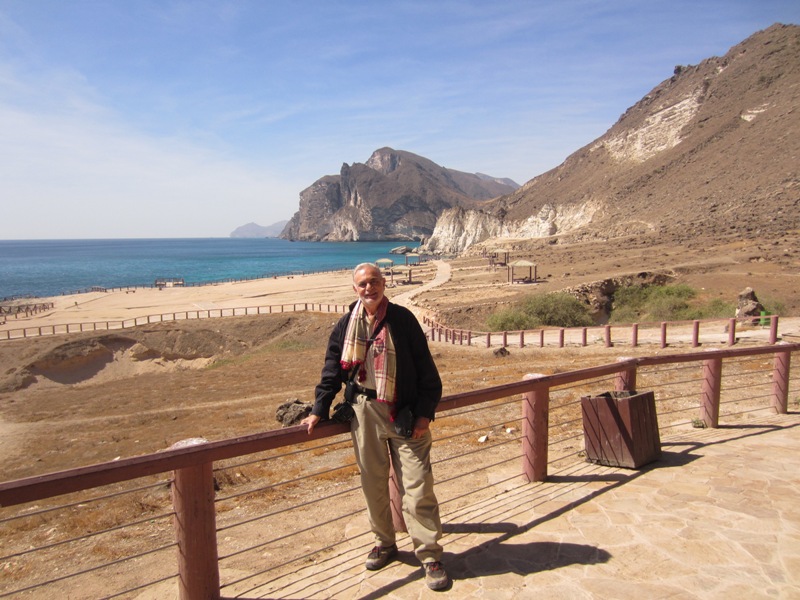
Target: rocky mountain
column 395, row 195
column 711, row 151
column 253, row 230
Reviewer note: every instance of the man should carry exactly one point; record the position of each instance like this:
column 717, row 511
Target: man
column 383, row 347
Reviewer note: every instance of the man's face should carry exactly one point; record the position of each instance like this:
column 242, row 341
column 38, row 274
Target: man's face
column 369, row 284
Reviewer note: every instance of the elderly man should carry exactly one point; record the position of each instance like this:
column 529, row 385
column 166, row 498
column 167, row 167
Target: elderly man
column 382, row 348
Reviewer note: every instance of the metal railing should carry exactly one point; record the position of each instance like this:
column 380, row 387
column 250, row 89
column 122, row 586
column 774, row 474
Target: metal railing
column 242, row 508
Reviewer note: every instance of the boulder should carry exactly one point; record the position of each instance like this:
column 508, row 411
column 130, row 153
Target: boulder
column 291, row 412
column 748, row 305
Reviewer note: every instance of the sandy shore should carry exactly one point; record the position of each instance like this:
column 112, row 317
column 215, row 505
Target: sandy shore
column 334, row 288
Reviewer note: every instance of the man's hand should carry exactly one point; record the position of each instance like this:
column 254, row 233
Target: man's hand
column 310, row 421
column 421, row 426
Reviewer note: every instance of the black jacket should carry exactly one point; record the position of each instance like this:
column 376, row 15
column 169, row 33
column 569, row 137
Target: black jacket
column 418, row 383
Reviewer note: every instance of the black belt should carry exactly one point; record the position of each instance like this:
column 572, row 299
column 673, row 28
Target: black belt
column 371, row 394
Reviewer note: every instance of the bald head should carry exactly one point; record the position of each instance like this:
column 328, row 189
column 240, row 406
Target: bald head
column 370, row 285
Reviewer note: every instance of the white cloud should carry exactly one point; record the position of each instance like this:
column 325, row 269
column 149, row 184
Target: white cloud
column 71, row 168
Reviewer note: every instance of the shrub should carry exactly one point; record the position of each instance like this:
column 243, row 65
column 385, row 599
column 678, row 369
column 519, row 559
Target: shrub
column 554, row 310
column 671, row 303
column 509, row 319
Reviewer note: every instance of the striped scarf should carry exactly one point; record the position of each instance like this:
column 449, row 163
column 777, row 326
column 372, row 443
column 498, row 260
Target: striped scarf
column 357, row 339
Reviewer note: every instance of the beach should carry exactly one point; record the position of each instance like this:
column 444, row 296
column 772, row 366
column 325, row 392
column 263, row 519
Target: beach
column 332, row 288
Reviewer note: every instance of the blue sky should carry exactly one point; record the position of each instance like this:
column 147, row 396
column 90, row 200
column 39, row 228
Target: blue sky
column 178, row 118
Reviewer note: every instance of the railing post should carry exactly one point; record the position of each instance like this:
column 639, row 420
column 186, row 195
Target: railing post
column 505, row 339
column 607, row 329
column 488, row 340
column 695, row 334
column 773, row 329
column 584, row 336
column 780, row 382
column 712, row 383
column 663, row 334
column 561, row 338
column 195, row 529
column 535, row 417
column 541, row 338
column 625, row 380
column 635, row 335
column 522, row 338
column 731, row 332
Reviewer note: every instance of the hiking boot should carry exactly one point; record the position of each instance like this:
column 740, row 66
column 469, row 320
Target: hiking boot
column 435, row 576
column 381, row 555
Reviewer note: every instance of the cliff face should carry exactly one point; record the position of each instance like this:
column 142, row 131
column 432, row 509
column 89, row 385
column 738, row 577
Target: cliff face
column 711, row 151
column 395, row 195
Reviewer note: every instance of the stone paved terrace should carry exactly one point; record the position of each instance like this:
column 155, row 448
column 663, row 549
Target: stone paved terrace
column 717, row 517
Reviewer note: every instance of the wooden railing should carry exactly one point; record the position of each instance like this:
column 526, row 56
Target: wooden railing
column 192, row 462
column 609, row 335
column 64, row 328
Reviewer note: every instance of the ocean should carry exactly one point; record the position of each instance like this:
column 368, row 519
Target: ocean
column 41, row 268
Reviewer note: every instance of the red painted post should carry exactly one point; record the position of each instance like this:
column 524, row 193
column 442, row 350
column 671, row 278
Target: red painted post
column 635, row 335
column 773, row 329
column 535, row 417
column 584, row 336
column 488, row 340
column 505, row 339
column 469, row 338
column 731, row 332
column 712, row 383
column 561, row 338
column 396, row 501
column 195, row 529
column 695, row 334
column 541, row 338
column 780, row 382
column 608, row 336
column 625, row 380
column 522, row 339
column 664, row 334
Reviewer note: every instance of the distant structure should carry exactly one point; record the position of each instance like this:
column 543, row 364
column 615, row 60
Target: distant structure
column 162, row 282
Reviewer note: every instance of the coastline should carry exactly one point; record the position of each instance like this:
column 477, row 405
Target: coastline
column 330, row 287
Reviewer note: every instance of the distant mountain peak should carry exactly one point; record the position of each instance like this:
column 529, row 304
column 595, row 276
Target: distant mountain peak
column 253, row 230
column 394, row 195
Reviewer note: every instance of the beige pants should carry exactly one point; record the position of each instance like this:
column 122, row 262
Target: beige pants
column 374, row 439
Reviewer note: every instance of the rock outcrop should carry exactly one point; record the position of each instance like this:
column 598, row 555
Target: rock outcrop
column 599, row 295
column 395, row 195
column 747, row 305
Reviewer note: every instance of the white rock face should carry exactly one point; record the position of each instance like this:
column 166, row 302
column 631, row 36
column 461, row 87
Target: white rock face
column 660, row 131
column 457, row 228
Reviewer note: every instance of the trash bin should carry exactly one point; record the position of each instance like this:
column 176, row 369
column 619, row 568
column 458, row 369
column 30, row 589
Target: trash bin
column 620, row 429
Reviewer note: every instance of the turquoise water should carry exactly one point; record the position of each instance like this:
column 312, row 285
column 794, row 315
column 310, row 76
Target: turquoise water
column 52, row 267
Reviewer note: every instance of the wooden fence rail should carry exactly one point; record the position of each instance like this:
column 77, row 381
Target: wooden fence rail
column 64, row 328
column 631, row 334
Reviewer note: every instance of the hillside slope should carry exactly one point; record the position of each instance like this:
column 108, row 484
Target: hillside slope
column 713, row 150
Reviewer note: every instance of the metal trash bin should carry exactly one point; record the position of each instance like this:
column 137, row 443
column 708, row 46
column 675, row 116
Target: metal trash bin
column 620, row 429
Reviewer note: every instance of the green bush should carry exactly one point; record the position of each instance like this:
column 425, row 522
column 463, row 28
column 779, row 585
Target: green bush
column 550, row 310
column 714, row 309
column 509, row 319
column 666, row 303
